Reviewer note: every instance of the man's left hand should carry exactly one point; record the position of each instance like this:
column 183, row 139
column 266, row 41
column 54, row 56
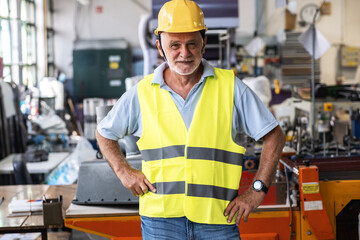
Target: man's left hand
column 243, row 204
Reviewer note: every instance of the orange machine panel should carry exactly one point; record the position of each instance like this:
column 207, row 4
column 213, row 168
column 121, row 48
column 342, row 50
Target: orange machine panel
column 312, row 206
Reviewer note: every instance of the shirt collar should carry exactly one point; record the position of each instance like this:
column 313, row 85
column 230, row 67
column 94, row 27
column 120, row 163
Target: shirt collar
column 158, row 72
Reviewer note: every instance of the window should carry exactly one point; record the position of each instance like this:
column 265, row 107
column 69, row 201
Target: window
column 18, row 41
column 50, row 39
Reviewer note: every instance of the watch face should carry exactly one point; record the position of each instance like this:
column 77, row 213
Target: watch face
column 257, row 185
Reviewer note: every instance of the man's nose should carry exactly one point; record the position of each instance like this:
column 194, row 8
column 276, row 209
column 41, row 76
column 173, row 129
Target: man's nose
column 184, row 51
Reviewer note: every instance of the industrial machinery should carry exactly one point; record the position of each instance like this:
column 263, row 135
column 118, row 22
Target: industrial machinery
column 336, row 126
column 329, row 195
column 322, row 169
column 322, row 200
column 95, row 180
column 95, row 175
column 100, row 64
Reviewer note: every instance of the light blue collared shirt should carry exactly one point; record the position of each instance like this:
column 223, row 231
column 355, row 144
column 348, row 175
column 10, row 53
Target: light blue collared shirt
column 250, row 115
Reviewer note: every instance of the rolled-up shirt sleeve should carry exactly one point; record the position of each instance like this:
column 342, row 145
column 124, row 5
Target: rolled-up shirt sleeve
column 123, row 118
column 251, row 116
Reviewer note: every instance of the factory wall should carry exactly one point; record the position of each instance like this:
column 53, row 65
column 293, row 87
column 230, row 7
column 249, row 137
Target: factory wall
column 109, row 19
column 64, row 12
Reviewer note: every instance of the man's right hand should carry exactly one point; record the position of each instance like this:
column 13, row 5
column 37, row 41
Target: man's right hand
column 131, row 178
column 134, row 180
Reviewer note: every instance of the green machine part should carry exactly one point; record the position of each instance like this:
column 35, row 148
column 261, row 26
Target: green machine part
column 100, row 68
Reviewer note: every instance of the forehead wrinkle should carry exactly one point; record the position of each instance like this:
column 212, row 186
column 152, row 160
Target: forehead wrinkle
column 178, row 37
column 186, row 42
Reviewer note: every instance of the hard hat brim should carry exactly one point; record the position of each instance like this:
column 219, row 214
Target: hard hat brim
column 157, row 31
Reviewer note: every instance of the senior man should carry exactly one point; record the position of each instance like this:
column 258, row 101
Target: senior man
column 187, row 114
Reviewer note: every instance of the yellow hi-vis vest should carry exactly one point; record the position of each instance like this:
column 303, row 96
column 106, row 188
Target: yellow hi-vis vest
column 196, row 172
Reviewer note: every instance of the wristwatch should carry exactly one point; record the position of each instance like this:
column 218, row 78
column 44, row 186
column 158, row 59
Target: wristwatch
column 259, row 185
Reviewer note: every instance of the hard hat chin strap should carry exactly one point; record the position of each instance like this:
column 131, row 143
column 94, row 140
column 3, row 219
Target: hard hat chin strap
column 162, row 48
column 202, row 32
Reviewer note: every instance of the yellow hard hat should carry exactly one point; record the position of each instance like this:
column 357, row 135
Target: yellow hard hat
column 180, row 16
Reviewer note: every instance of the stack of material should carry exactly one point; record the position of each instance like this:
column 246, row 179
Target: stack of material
column 12, row 128
column 296, row 62
column 27, row 205
column 48, row 122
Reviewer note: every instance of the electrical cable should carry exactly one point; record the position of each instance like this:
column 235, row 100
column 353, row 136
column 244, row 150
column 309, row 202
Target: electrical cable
column 289, row 199
column 162, row 48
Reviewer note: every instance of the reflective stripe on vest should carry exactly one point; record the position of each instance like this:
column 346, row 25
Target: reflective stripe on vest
column 163, row 153
column 195, row 190
column 193, row 153
column 215, row 154
column 196, row 172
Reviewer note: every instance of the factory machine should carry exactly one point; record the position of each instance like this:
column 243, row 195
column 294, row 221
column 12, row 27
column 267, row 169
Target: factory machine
column 326, row 193
column 321, row 168
column 336, row 127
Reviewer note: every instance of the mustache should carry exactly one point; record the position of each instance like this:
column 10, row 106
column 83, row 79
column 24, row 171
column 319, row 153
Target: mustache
column 185, row 60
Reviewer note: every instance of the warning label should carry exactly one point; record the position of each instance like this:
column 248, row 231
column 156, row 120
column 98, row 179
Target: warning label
column 310, row 188
column 313, row 205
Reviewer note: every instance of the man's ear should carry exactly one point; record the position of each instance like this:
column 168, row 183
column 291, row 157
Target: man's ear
column 159, row 47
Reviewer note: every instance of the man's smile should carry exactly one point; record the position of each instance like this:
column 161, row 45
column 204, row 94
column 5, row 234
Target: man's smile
column 185, row 61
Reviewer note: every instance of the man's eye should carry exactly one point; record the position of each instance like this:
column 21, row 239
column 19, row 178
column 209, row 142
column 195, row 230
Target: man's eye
column 192, row 45
column 175, row 46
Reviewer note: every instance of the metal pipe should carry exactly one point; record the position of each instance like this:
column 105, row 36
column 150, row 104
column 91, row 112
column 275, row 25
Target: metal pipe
column 220, row 52
column 299, row 144
column 313, row 82
column 324, row 144
column 228, row 50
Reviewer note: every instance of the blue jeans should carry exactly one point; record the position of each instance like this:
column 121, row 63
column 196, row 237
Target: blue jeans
column 184, row 229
